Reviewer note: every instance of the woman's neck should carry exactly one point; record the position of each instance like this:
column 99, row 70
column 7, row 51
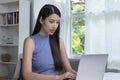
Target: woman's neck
column 43, row 33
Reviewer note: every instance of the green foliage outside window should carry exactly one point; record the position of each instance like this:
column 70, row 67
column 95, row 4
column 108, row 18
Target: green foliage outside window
column 78, row 29
column 77, row 8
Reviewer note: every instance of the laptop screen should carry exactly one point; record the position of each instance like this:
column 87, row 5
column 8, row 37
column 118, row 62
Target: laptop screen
column 92, row 67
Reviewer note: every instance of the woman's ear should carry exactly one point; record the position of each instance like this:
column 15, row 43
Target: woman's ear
column 41, row 20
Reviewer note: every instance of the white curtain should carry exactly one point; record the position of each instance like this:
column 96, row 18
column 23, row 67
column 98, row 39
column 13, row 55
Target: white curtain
column 103, row 29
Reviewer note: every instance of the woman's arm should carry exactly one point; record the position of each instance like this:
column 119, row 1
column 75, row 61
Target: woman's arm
column 27, row 65
column 65, row 59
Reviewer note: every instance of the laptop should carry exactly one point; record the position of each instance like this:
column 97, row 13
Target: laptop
column 92, row 67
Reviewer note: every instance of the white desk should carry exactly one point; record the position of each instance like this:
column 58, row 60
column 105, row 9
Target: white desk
column 111, row 76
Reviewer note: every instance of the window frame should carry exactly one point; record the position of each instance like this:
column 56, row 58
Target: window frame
column 74, row 16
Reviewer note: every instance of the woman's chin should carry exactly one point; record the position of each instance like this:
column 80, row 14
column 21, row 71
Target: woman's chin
column 51, row 33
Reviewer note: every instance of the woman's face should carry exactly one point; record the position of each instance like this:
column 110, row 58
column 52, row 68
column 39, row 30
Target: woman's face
column 50, row 24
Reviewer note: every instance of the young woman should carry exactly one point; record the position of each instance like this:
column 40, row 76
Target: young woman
column 44, row 53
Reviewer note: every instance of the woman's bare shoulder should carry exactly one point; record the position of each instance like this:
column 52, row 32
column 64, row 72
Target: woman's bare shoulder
column 28, row 43
column 62, row 46
column 28, row 39
column 61, row 41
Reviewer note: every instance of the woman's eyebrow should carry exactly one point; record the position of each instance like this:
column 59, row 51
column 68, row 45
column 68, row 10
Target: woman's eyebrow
column 55, row 20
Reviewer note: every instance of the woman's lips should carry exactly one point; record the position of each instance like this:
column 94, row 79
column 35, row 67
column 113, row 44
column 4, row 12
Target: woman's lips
column 52, row 30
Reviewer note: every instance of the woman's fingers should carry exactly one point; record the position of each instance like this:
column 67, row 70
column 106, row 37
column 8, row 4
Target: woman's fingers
column 69, row 75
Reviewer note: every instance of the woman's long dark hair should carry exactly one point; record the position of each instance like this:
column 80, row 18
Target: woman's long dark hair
column 46, row 11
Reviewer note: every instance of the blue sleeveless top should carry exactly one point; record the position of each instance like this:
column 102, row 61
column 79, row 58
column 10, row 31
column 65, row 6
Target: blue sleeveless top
column 42, row 60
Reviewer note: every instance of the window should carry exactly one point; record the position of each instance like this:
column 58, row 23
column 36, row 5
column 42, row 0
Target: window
column 78, row 26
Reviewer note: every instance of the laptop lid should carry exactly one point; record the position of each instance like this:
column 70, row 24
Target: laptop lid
column 92, row 67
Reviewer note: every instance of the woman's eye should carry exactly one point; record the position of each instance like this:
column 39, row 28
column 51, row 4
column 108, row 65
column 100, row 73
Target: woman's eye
column 51, row 21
